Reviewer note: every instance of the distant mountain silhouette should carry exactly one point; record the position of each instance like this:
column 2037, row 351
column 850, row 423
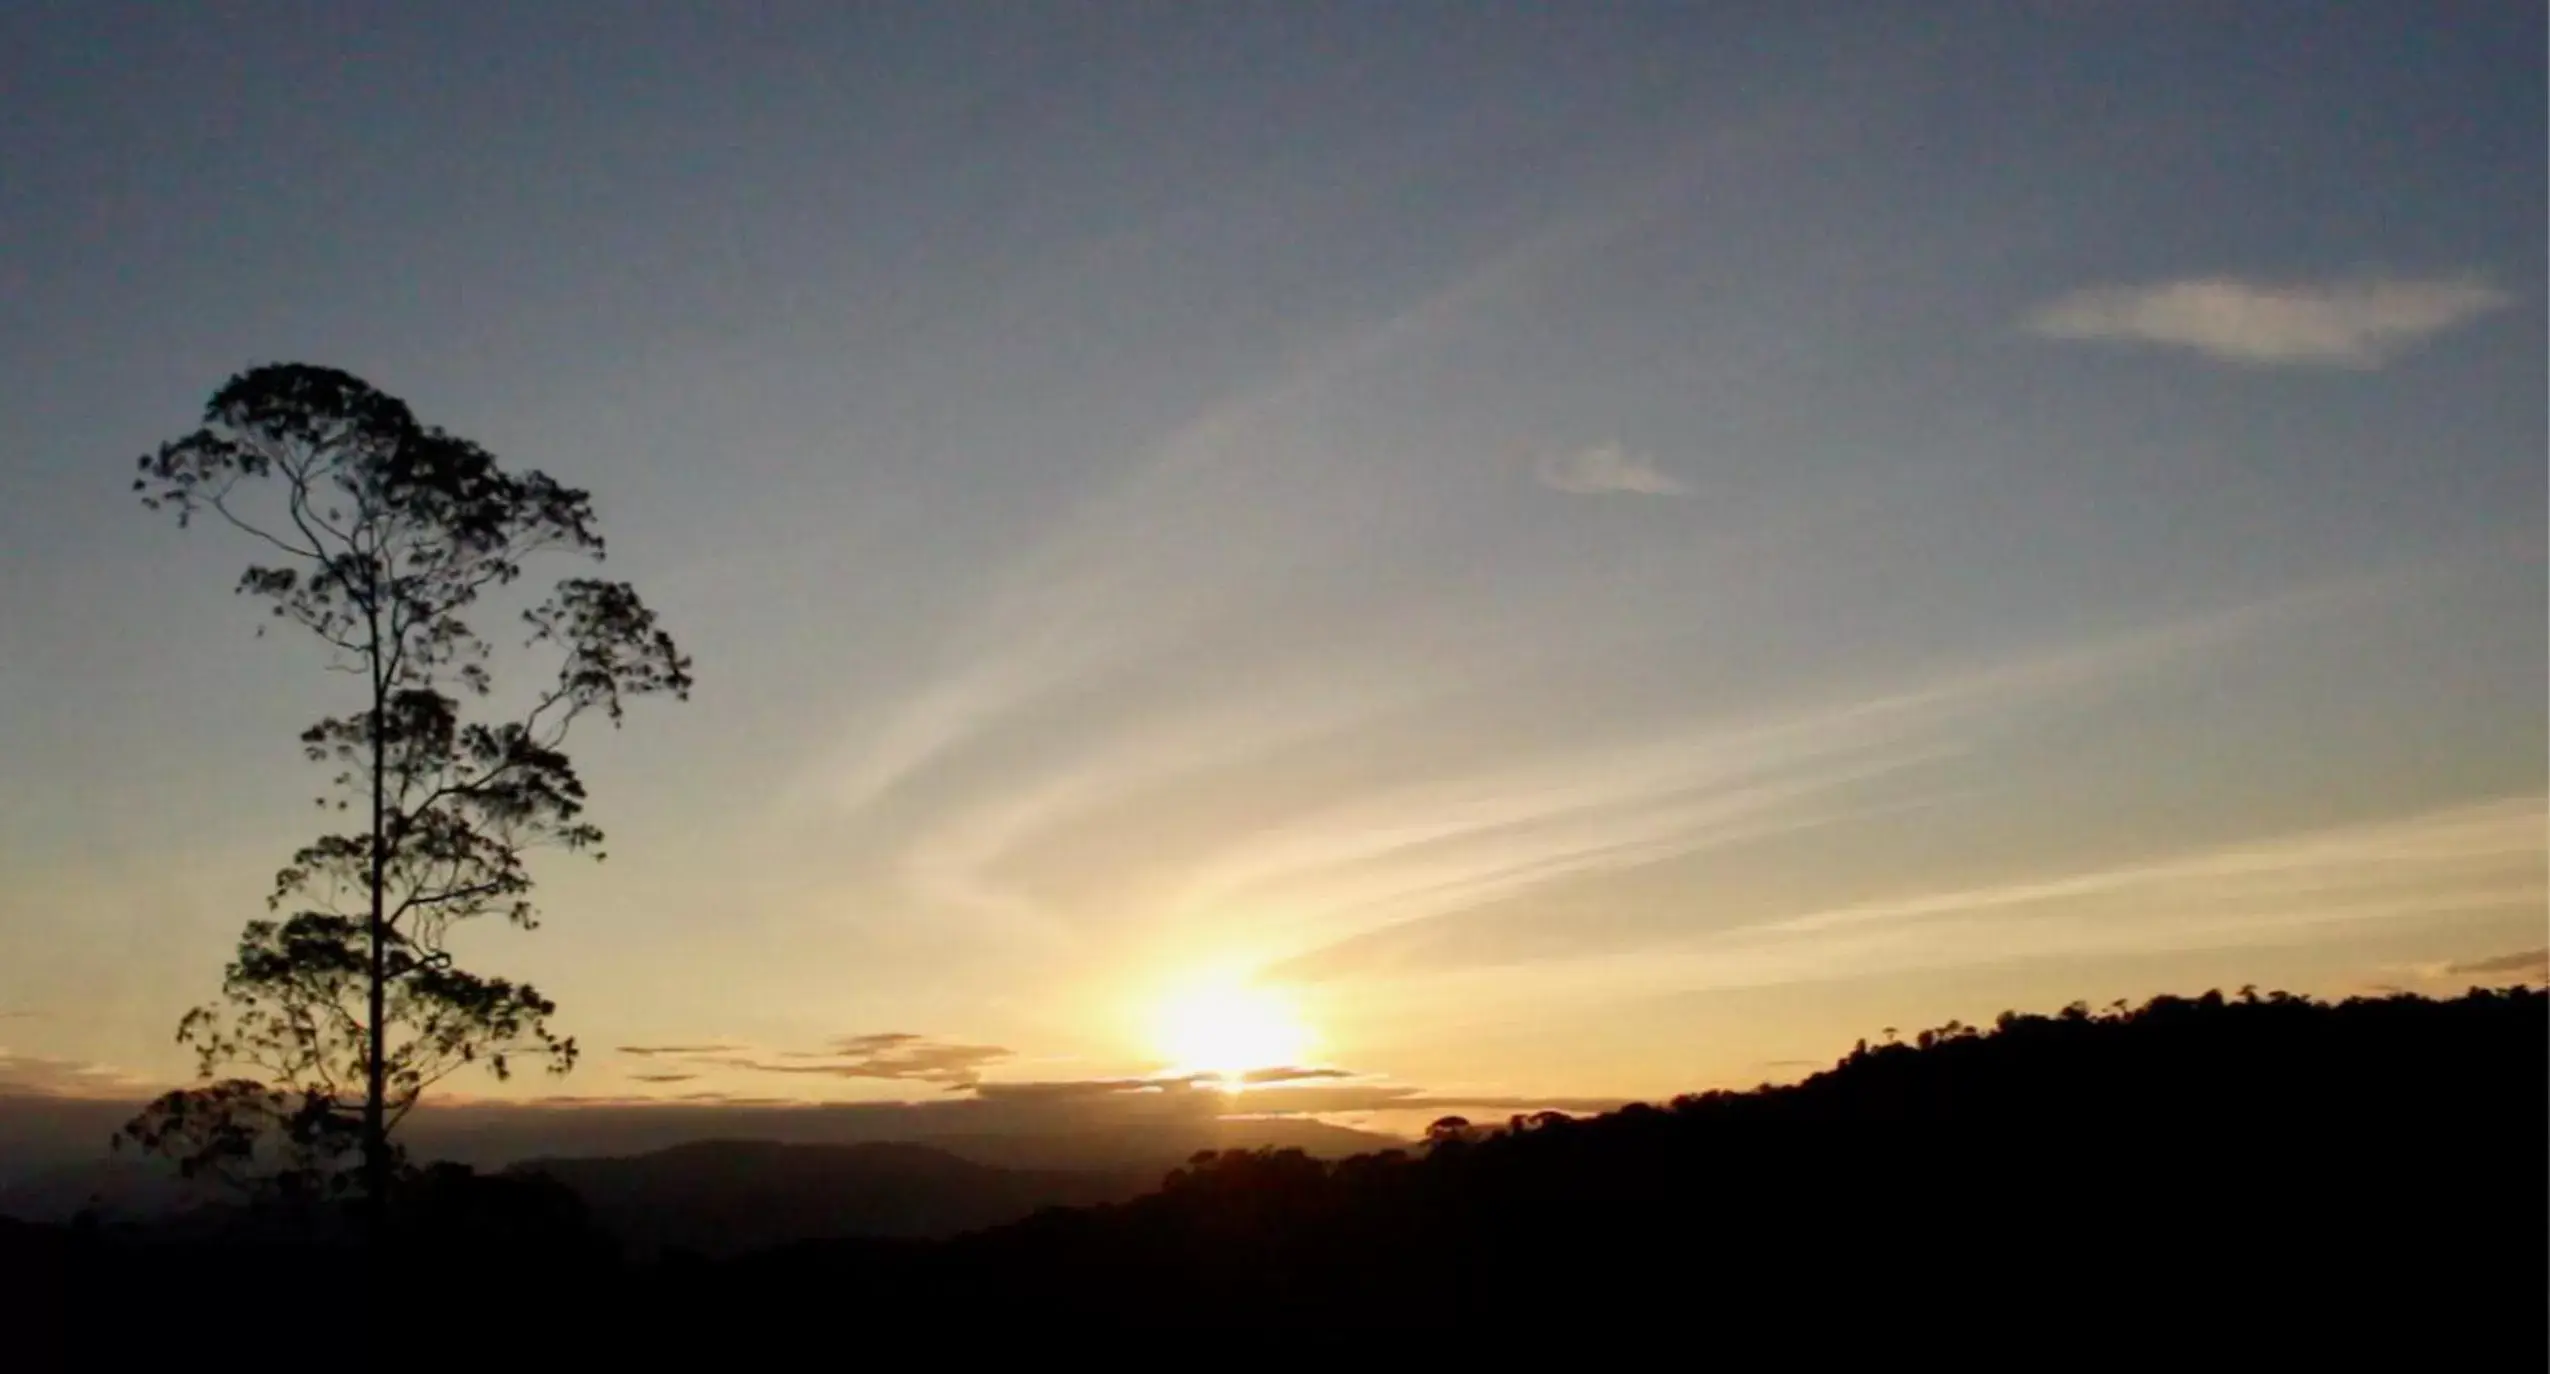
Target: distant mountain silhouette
column 725, row 1196
column 1157, row 1147
column 49, row 1173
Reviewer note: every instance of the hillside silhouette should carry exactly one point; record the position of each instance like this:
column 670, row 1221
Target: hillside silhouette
column 2270, row 1173
column 2267, row 1164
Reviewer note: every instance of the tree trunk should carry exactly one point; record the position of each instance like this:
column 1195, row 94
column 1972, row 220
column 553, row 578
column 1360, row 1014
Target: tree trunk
column 376, row 1139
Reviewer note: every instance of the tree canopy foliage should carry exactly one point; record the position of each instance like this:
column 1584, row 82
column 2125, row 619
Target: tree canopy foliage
column 382, row 538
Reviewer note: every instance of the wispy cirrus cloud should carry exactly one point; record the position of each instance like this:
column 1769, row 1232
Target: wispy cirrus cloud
column 2488, row 851
column 2359, row 324
column 1071, row 605
column 1311, row 867
column 2482, row 859
column 1607, row 469
column 1391, row 869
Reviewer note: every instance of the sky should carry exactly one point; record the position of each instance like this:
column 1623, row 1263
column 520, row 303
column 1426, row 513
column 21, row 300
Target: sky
column 1499, row 553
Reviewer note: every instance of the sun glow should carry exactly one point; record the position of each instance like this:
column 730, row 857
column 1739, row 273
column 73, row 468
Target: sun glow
column 1226, row 1030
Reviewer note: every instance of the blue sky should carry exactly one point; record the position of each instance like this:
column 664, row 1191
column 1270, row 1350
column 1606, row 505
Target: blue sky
column 1591, row 551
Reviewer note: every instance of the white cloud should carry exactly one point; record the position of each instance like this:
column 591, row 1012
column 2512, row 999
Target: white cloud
column 1606, row 468
column 2359, row 324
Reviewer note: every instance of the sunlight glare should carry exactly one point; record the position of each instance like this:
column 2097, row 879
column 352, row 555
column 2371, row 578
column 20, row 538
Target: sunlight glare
column 1225, row 1030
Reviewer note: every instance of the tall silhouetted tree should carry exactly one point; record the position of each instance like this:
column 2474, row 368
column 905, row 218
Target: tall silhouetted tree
column 380, row 534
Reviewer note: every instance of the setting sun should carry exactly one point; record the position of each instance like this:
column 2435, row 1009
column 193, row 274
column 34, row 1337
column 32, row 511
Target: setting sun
column 1226, row 1030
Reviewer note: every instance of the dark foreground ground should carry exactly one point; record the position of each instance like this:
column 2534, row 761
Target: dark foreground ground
column 2207, row 1181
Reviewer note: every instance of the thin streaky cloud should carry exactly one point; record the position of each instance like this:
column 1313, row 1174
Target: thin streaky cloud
column 2358, row 324
column 1058, row 614
column 1607, row 470
column 1369, row 902
column 1383, row 930
column 956, row 861
column 1073, row 604
column 38, row 1075
column 2434, row 977
column 1353, row 1098
column 877, row 1041
column 893, row 1056
column 2345, row 859
column 2479, row 859
column 1438, row 848
column 2533, row 963
column 1434, row 845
